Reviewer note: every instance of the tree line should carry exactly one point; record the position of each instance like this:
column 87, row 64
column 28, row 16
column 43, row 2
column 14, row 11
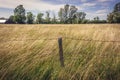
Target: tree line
column 69, row 14
column 114, row 16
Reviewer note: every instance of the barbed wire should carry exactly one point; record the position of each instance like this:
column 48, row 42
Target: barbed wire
column 27, row 40
column 56, row 38
column 102, row 56
column 89, row 40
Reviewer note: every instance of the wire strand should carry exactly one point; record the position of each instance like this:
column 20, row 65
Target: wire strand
column 89, row 40
column 77, row 39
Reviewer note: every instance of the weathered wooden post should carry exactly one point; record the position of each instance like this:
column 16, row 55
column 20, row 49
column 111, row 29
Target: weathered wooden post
column 61, row 52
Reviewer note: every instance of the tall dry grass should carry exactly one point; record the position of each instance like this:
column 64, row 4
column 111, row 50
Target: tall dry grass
column 22, row 58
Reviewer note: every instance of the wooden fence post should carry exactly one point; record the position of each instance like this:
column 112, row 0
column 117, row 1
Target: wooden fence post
column 61, row 52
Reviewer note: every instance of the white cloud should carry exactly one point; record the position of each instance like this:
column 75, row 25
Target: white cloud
column 101, row 11
column 6, row 13
column 102, row 14
column 92, row 15
column 89, row 4
column 86, row 5
column 83, row 0
column 38, row 5
column 35, row 6
column 29, row 5
column 103, row 0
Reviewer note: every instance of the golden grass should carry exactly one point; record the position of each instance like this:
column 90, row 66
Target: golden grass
column 24, row 59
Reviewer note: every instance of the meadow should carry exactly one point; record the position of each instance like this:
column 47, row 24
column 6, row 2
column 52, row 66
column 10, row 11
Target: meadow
column 30, row 52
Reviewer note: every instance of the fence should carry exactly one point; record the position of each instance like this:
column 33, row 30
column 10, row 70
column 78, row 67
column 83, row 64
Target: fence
column 89, row 40
column 61, row 56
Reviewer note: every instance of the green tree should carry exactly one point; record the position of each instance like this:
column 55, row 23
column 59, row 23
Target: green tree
column 68, row 14
column 60, row 14
column 30, row 18
column 117, row 7
column 110, row 18
column 39, row 18
column 19, row 14
column 47, row 17
column 10, row 20
column 72, row 14
column 54, row 20
column 96, row 18
column 80, row 16
column 114, row 17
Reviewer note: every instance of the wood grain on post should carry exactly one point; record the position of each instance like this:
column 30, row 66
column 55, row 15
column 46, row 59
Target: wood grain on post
column 61, row 52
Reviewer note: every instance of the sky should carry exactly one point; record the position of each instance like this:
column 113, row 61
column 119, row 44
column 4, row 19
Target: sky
column 92, row 8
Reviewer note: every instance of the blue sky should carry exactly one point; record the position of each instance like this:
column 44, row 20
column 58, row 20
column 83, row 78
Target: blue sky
column 92, row 8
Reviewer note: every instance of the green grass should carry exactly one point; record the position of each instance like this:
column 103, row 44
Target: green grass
column 39, row 59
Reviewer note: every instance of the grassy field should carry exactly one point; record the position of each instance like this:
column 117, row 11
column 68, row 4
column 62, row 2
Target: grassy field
column 30, row 52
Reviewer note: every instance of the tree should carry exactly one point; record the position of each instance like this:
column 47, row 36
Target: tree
column 110, row 18
column 30, row 18
column 65, row 13
column 60, row 14
column 19, row 14
column 54, row 20
column 47, row 17
column 80, row 16
column 73, row 10
column 72, row 14
column 114, row 17
column 10, row 20
column 96, row 18
column 117, row 7
column 39, row 18
column 69, row 14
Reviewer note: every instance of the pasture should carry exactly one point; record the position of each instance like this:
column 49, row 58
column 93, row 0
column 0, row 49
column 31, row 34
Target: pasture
column 30, row 52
